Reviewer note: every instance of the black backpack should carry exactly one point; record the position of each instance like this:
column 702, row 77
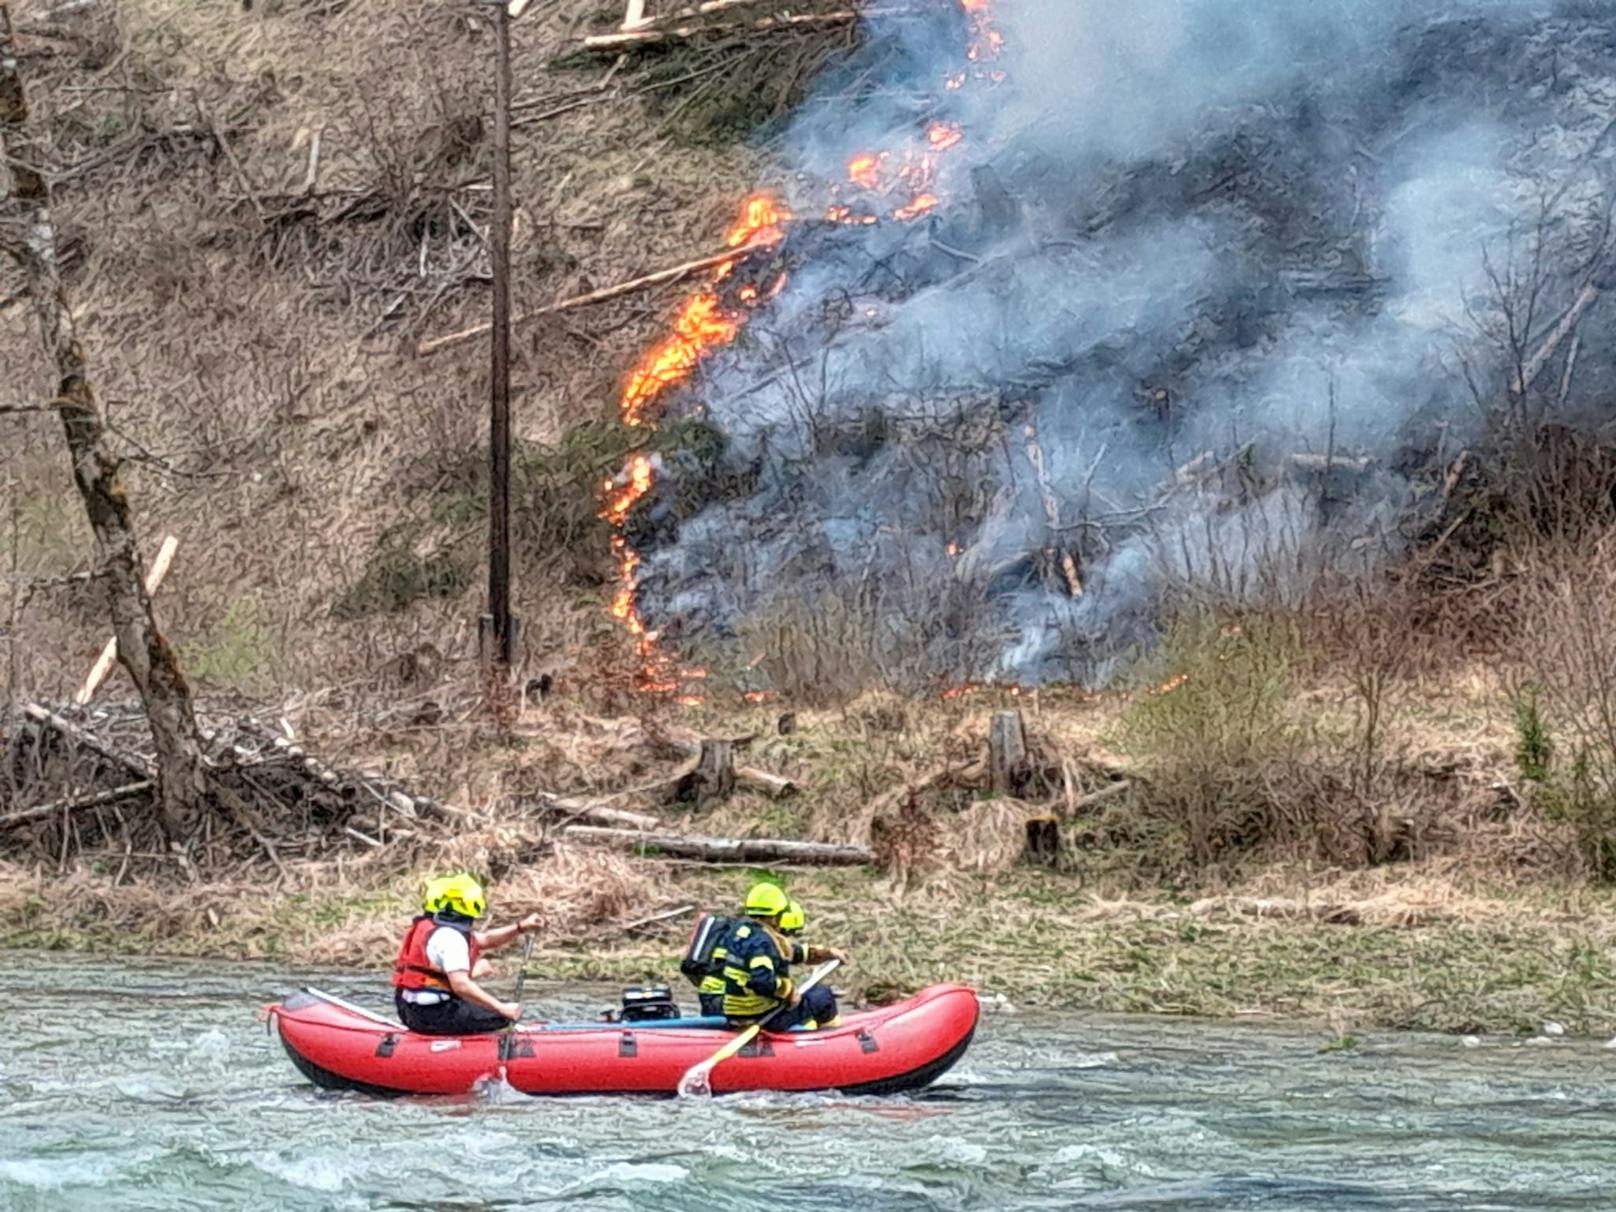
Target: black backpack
column 710, row 934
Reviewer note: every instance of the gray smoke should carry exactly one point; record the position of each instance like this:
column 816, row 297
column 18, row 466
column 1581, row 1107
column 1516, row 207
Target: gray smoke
column 1181, row 237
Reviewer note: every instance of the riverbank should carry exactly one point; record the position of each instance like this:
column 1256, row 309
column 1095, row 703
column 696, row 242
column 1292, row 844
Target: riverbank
column 1416, row 951
column 1435, row 895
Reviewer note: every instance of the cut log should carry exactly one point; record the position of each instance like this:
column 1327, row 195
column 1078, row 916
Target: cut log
column 1007, row 754
column 426, row 349
column 598, row 814
column 753, row 779
column 109, row 654
column 728, row 849
column 653, row 36
column 1322, row 463
column 14, row 819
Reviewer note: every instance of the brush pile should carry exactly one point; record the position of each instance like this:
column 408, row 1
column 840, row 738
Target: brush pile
column 75, row 779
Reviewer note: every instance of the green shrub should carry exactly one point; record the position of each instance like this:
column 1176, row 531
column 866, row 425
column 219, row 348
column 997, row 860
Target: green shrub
column 1210, row 725
column 1534, row 749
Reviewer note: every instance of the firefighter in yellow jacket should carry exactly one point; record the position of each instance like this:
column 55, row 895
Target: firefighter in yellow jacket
column 757, row 968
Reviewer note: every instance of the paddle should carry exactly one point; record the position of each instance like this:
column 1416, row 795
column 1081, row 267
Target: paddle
column 521, row 977
column 507, row 1037
column 695, row 1082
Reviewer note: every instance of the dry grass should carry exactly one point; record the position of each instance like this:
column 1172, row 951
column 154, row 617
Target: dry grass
column 247, row 342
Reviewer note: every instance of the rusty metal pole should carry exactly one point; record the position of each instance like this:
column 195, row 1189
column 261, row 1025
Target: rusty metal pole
column 499, row 626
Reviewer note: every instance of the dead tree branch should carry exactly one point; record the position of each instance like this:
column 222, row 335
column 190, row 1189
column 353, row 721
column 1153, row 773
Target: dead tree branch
column 426, row 349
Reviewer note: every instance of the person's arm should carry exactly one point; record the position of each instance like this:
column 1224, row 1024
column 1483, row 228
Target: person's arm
column 819, row 955
column 461, row 984
column 500, row 936
column 763, row 976
column 447, row 949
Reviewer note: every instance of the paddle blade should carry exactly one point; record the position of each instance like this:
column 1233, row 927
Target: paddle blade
column 695, row 1083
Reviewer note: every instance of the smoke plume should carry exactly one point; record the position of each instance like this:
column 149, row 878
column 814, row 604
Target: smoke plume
column 1208, row 290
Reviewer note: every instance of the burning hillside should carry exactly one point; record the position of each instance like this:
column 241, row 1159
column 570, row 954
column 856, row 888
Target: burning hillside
column 1088, row 305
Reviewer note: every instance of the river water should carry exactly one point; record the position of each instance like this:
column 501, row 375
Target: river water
column 150, row 1085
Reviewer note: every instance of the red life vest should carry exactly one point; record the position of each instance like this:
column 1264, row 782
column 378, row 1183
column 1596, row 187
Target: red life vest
column 412, row 969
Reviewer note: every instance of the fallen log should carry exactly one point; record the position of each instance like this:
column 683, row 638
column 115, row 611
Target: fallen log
column 607, row 929
column 635, row 18
column 971, row 777
column 14, row 819
column 134, row 763
column 599, row 814
column 653, row 36
column 1279, row 909
column 425, row 349
column 1095, row 798
column 728, row 849
column 1319, row 463
column 1534, row 365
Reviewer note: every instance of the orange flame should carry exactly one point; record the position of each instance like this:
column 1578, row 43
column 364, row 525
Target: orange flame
column 921, row 205
column 865, row 171
column 703, row 325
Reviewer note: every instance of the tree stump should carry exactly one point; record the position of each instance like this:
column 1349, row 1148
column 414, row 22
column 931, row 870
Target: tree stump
column 713, row 777
column 1043, row 841
column 1007, row 754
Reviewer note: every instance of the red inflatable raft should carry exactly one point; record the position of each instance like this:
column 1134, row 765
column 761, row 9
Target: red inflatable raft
column 900, row 1047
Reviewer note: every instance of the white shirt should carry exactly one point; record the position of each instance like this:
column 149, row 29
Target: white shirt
column 447, row 951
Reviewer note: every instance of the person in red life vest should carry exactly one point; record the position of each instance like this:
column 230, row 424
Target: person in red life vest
column 435, row 975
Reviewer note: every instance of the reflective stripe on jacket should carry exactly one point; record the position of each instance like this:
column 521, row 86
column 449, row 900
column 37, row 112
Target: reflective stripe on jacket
column 757, row 974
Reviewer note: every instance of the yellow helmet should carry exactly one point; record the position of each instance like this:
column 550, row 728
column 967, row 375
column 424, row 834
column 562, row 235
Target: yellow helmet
column 459, row 893
column 793, row 919
column 766, row 900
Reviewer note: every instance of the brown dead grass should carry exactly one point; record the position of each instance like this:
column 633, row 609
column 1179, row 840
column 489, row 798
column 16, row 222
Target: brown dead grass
column 287, row 431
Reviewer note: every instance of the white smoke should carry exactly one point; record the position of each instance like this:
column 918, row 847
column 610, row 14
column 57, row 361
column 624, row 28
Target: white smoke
column 1246, row 228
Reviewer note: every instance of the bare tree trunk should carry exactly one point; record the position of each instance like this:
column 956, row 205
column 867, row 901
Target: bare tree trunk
column 143, row 651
